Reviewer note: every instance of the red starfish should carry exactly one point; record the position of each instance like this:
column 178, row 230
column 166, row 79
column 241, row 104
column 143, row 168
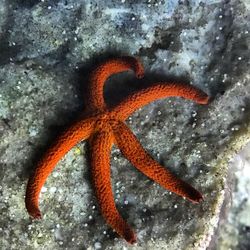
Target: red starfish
column 105, row 126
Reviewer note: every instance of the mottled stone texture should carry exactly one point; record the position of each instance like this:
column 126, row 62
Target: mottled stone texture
column 234, row 228
column 46, row 51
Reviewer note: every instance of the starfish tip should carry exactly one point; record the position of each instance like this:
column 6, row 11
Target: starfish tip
column 198, row 198
column 36, row 215
column 204, row 99
column 140, row 75
column 132, row 240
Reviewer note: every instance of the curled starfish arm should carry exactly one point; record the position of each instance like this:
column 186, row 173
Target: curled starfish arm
column 104, row 71
column 134, row 152
column 77, row 132
column 158, row 91
column 100, row 145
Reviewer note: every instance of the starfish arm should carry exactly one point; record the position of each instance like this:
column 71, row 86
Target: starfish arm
column 157, row 91
column 134, row 152
column 100, row 146
column 77, row 132
column 104, row 71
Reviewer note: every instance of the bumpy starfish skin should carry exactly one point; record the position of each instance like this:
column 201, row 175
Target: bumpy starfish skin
column 104, row 127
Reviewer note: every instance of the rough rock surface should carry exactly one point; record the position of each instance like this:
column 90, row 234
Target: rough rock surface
column 46, row 51
column 234, row 228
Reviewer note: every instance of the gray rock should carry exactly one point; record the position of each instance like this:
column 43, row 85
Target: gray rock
column 46, row 51
column 233, row 231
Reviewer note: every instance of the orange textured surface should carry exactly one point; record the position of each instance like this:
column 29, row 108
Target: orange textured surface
column 103, row 72
column 106, row 126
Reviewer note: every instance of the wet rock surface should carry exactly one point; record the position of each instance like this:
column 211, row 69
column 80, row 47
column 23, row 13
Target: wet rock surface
column 47, row 50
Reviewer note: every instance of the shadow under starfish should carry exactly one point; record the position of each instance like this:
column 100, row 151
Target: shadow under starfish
column 105, row 126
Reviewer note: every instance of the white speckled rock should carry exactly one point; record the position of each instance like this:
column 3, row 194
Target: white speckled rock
column 234, row 229
column 3, row 16
column 48, row 49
